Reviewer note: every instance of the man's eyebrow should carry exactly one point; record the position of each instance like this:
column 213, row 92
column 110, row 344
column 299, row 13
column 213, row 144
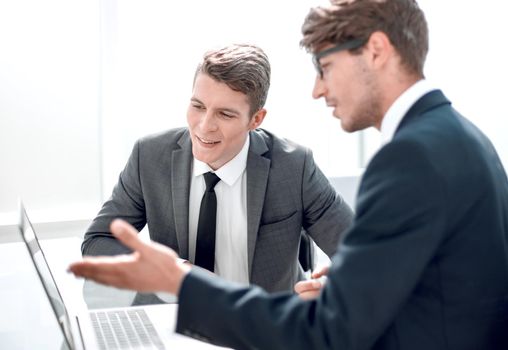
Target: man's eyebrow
column 224, row 109
column 195, row 99
column 230, row 110
column 325, row 64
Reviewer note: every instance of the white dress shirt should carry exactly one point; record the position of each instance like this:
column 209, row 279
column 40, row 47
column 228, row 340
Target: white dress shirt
column 399, row 108
column 231, row 260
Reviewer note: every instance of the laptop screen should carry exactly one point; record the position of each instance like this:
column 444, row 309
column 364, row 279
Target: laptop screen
column 42, row 267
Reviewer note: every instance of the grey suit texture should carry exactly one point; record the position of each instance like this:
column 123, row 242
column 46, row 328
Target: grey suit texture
column 286, row 192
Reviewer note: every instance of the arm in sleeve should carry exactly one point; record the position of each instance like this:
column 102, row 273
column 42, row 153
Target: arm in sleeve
column 126, row 202
column 326, row 215
column 399, row 227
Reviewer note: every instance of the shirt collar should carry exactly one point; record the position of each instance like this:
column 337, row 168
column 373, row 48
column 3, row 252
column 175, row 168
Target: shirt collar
column 229, row 172
column 399, row 108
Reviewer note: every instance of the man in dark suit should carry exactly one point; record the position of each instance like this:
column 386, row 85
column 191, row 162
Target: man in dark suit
column 425, row 264
column 269, row 189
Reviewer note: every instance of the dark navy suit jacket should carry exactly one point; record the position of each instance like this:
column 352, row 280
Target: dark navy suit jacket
column 425, row 265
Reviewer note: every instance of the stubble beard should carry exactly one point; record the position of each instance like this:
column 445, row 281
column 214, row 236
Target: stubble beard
column 369, row 107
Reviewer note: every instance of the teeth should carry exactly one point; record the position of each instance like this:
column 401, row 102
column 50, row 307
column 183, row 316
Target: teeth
column 207, row 142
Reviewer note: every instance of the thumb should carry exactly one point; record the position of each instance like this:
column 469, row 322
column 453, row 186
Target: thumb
column 321, row 271
column 127, row 234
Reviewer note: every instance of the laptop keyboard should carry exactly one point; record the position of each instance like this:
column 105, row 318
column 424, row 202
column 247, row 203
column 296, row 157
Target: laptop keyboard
column 125, row 329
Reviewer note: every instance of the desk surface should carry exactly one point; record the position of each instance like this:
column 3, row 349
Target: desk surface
column 26, row 320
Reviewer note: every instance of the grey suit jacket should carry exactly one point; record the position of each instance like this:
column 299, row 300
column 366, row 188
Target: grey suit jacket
column 286, row 192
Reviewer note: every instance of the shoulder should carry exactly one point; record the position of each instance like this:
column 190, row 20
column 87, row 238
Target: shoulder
column 438, row 148
column 164, row 139
column 278, row 147
column 444, row 135
column 166, row 136
column 425, row 140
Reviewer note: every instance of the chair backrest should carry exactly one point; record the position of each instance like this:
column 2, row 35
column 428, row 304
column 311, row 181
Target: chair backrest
column 347, row 187
column 306, row 252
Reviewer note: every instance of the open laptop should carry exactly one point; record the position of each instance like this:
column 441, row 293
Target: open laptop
column 147, row 327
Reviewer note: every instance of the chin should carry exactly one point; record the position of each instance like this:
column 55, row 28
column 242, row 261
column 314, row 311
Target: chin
column 204, row 157
column 207, row 160
column 346, row 126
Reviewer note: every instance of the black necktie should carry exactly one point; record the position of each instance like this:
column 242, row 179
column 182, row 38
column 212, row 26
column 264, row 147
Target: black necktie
column 205, row 242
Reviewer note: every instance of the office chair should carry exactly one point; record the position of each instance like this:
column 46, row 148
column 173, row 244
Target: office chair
column 306, row 252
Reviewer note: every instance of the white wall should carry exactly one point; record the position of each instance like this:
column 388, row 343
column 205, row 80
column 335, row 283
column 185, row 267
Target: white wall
column 468, row 59
column 49, row 103
column 154, row 64
column 153, row 50
column 81, row 81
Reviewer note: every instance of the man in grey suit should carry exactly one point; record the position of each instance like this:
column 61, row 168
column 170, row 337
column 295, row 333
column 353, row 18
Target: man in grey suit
column 269, row 189
column 425, row 263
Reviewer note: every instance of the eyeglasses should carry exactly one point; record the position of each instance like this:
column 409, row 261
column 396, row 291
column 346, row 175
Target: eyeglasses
column 348, row 45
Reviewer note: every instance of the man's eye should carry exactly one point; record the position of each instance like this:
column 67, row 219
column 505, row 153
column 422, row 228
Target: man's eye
column 226, row 115
column 200, row 107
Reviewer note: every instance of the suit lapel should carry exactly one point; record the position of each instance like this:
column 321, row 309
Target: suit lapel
column 428, row 101
column 180, row 186
column 258, row 169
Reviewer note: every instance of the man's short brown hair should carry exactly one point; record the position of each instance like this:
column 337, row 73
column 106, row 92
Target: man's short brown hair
column 344, row 20
column 244, row 68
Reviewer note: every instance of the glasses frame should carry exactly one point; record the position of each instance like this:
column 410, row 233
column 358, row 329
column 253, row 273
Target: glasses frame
column 348, row 45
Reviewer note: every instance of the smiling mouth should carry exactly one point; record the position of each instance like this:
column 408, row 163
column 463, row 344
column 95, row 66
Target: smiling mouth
column 208, row 142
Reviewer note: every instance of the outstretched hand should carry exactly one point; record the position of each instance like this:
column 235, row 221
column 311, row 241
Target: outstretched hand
column 151, row 267
column 310, row 289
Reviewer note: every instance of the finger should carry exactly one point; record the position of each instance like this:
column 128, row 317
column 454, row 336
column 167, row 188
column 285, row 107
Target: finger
column 106, row 279
column 75, row 268
column 87, row 268
column 107, row 264
column 320, row 271
column 309, row 295
column 102, row 272
column 79, row 268
column 127, row 234
column 305, row 286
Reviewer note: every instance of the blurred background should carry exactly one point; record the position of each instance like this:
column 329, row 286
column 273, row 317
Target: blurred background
column 80, row 81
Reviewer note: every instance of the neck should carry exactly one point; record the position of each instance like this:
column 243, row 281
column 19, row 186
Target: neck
column 396, row 87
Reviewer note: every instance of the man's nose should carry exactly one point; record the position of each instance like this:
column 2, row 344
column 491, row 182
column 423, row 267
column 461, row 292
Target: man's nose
column 208, row 122
column 319, row 88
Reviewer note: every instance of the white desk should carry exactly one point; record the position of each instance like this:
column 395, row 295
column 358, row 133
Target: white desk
column 26, row 318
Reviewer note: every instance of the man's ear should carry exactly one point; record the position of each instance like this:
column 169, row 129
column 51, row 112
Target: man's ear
column 257, row 119
column 379, row 49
